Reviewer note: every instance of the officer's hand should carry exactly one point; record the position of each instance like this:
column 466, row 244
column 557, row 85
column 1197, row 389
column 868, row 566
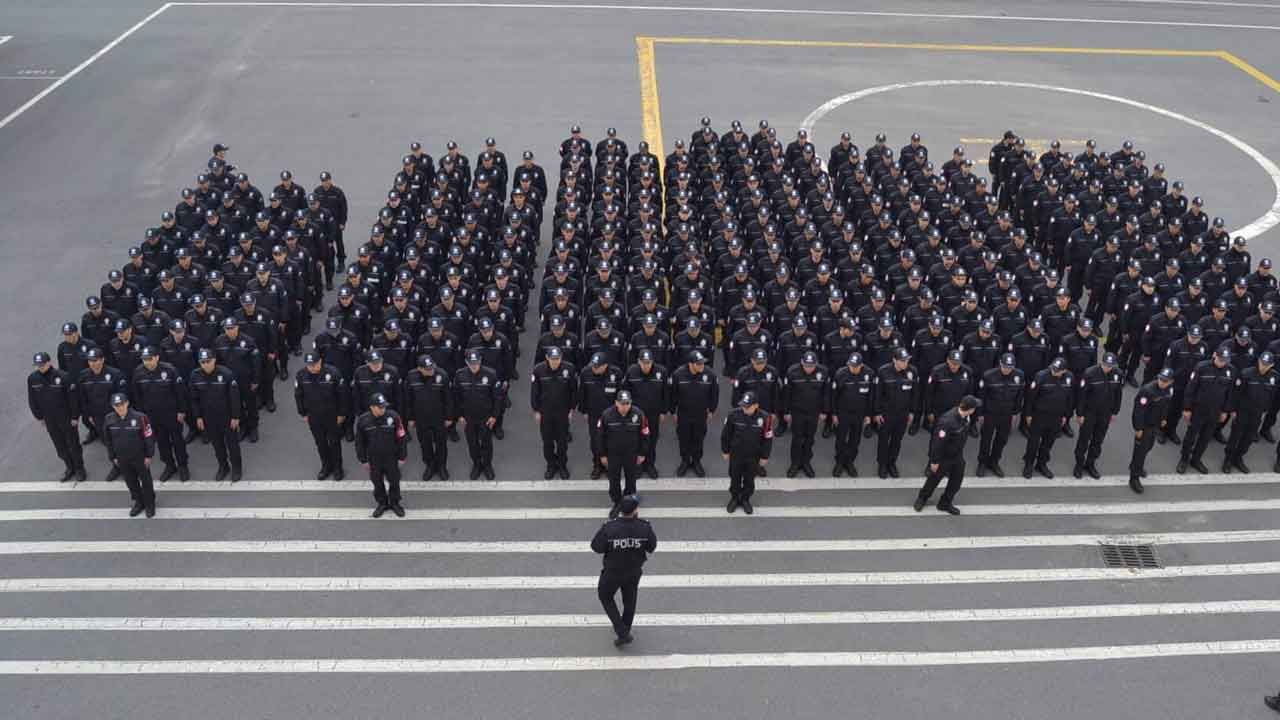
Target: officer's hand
column 342, row 419
column 639, row 459
column 306, row 418
column 879, row 419
column 146, row 462
column 76, row 423
column 835, row 420
column 364, row 465
column 724, row 455
column 491, row 422
column 1027, row 420
column 1222, row 417
column 253, row 388
column 1137, row 434
column 200, row 424
column 116, row 463
column 764, row 461
column 822, row 417
column 787, row 417
column 403, row 462
column 235, row 424
column 933, row 467
column 604, row 461
column 1146, row 358
column 1186, row 414
column 1080, row 419
column 182, row 417
column 537, row 417
column 910, row 417
column 271, row 356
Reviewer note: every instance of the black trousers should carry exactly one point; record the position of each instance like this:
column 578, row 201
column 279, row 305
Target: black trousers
column 1243, row 433
column 848, row 437
column 66, row 441
column 173, row 451
column 649, row 446
column 803, row 428
column 742, row 476
column 1199, row 431
column 1141, row 446
column 1174, row 417
column 691, row 431
column 434, row 441
column 611, row 581
column 995, row 435
column 267, row 382
column 1097, row 305
column 137, row 476
column 953, row 471
column 596, row 437
column 248, row 407
column 555, row 439
column 225, row 442
column 1040, row 437
column 1093, row 431
column 622, row 466
column 479, row 443
column 328, row 437
column 385, row 476
column 890, row 443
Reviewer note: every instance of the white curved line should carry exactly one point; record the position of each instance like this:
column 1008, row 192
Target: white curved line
column 1263, row 223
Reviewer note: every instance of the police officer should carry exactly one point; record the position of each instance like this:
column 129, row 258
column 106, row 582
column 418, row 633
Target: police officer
column 160, row 390
column 321, row 394
column 626, row 542
column 805, row 404
column 946, row 454
column 746, row 442
column 1255, row 393
column 54, row 400
column 1002, row 391
column 130, row 446
column 695, row 395
column 650, row 388
column 97, row 383
column 1097, row 403
column 598, row 386
column 853, row 394
column 478, row 398
column 897, row 392
column 216, row 405
column 1050, row 398
column 239, row 353
column 428, row 407
column 553, row 394
column 1206, row 404
column 624, row 437
column 382, row 446
column 1149, row 410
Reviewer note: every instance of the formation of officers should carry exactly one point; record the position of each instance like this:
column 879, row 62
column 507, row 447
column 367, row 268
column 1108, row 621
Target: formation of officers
column 860, row 293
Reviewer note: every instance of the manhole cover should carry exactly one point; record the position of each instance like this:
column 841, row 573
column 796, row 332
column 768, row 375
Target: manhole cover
column 1130, row 556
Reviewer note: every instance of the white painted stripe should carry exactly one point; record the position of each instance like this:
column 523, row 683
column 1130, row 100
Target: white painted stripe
column 496, row 622
column 1263, row 223
column 656, row 581
column 400, row 666
column 80, row 68
column 536, row 547
column 1206, row 3
column 669, row 513
column 663, row 484
column 5, row 38
column 667, row 9
column 29, row 77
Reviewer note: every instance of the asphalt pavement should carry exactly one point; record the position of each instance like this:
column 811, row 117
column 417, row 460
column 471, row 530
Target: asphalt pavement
column 278, row 597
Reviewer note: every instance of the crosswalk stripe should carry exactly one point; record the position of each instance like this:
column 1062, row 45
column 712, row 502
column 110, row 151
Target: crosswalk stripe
column 664, row 484
column 657, row 581
column 633, row 662
column 596, row 513
column 427, row 547
column 492, row 622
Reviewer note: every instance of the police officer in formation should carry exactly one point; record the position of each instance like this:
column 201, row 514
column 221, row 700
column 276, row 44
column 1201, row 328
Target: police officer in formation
column 553, row 394
column 428, row 408
column 381, row 446
column 694, row 398
column 626, row 542
column 130, row 446
column 54, row 400
column 624, row 438
column 947, row 438
column 1150, row 408
column 1097, row 403
column 323, row 400
column 746, row 441
column 160, row 391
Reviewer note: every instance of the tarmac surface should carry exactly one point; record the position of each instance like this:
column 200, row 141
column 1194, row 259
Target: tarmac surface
column 279, row 598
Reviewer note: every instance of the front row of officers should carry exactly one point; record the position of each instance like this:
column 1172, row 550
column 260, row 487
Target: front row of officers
column 625, row 412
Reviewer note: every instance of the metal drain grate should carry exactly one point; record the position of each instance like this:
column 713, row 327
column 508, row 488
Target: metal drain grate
column 1129, row 556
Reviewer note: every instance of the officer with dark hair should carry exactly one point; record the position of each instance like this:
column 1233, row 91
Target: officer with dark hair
column 946, row 454
column 130, row 446
column 1255, row 392
column 1002, row 391
column 853, row 395
column 160, row 390
column 1149, row 410
column 1050, row 398
column 320, row 392
column 1097, row 403
column 54, row 400
column 428, row 406
column 216, row 403
column 897, row 393
column 1207, row 403
column 624, row 436
column 381, row 446
column 804, row 405
column 553, row 395
column 478, row 398
column 626, row 542
column 746, row 440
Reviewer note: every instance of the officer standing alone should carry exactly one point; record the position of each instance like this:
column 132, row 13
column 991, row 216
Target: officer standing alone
column 746, row 442
column 382, row 447
column 624, row 434
column 130, row 447
column 626, row 542
column 946, row 454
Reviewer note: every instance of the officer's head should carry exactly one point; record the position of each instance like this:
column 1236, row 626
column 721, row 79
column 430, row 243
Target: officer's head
column 1221, row 356
column 231, row 327
column 759, row 358
column 42, row 362
column 1165, row 378
column 1058, row 367
column 150, row 357
column 554, row 357
column 378, row 404
column 630, row 506
column 969, row 405
column 1007, row 363
column 96, row 359
column 623, row 402
column 809, row 362
column 749, row 403
column 954, row 359
column 901, row 358
column 697, row 361
column 1265, row 361
column 120, row 403
column 313, row 362
column 1172, row 308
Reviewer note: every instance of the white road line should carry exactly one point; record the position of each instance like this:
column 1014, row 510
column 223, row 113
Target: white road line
column 1263, row 223
column 5, row 38
column 738, row 11
column 418, row 666
column 1206, row 3
column 536, row 547
column 670, row 513
column 665, row 484
column 494, row 622
column 656, row 581
column 79, row 68
column 49, row 78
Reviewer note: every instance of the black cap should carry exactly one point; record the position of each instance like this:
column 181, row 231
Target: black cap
column 629, row 504
column 119, row 399
column 378, row 399
column 40, row 358
column 748, row 398
column 311, row 358
column 624, row 396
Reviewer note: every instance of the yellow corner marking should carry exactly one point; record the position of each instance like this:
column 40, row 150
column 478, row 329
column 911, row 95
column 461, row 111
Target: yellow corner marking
column 649, row 107
column 1252, row 71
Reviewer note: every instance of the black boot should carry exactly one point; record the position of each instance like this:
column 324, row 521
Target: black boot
column 918, row 505
column 1135, row 484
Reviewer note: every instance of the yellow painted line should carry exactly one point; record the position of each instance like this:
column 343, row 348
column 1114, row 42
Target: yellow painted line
column 1252, row 71
column 1152, row 52
column 649, row 106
